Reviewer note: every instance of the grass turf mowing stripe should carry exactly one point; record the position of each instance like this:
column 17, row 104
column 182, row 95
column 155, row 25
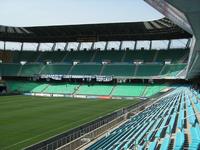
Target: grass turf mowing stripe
column 28, row 120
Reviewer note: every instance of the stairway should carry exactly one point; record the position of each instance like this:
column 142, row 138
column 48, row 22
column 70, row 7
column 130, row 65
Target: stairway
column 186, row 142
column 112, row 90
column 136, row 69
column 20, row 70
column 123, row 57
column 43, row 67
column 155, row 56
column 163, row 68
column 65, row 57
column 195, row 110
column 38, row 58
column 175, row 128
column 171, row 145
column 70, row 70
column 154, row 133
column 102, row 69
column 186, row 131
column 76, row 89
column 144, row 91
column 94, row 56
column 45, row 88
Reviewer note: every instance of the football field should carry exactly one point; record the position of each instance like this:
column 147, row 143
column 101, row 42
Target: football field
column 28, row 120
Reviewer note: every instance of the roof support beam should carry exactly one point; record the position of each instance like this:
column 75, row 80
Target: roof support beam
column 79, row 46
column 92, row 46
column 106, row 46
column 162, row 29
column 66, row 46
column 169, row 44
column 150, row 45
column 135, row 46
column 120, row 45
column 4, row 45
column 38, row 47
column 53, row 47
column 22, row 46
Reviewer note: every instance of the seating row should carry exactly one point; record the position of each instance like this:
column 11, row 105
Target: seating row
column 153, row 128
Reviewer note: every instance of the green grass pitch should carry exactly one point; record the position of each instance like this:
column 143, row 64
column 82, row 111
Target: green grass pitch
column 28, row 120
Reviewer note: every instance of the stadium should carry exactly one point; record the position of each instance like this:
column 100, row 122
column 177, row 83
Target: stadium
column 103, row 86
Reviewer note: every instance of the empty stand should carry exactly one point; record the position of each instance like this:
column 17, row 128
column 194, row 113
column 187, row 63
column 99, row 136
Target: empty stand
column 61, row 88
column 86, row 69
column 19, row 86
column 119, row 90
column 102, row 90
column 9, row 69
column 174, row 55
column 149, row 69
column 55, row 56
column 172, row 69
column 28, row 56
column 61, row 63
column 31, row 69
column 116, row 69
column 56, row 69
column 112, row 56
column 82, row 56
column 119, row 70
column 129, row 90
column 160, row 126
column 140, row 55
column 39, row 88
column 153, row 89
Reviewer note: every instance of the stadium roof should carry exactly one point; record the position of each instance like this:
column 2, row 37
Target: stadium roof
column 162, row 29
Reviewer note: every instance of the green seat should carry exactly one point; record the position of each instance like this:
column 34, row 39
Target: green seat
column 174, row 55
column 113, row 56
column 28, row 56
column 128, row 90
column 153, row 89
column 55, row 56
column 86, row 69
column 142, row 55
column 172, row 69
column 39, row 88
column 102, row 90
column 31, row 70
column 9, row 69
column 82, row 56
column 56, row 69
column 61, row 88
column 21, row 86
column 149, row 70
column 119, row 70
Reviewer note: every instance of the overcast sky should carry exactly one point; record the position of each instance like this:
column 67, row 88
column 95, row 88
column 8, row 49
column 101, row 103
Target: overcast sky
column 64, row 12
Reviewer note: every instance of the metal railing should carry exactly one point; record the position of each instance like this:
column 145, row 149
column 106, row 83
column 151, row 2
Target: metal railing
column 82, row 141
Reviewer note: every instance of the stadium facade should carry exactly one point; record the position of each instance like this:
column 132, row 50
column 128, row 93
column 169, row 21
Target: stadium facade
column 186, row 15
column 94, row 65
